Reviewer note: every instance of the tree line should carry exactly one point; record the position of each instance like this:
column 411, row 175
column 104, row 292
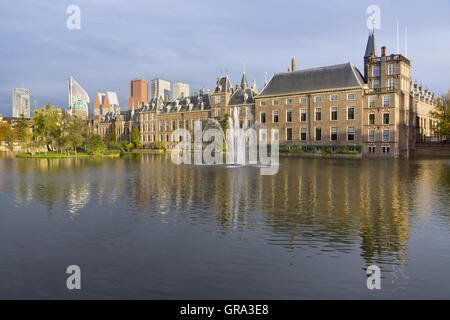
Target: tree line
column 52, row 130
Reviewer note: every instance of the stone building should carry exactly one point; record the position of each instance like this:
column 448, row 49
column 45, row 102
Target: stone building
column 333, row 107
column 105, row 103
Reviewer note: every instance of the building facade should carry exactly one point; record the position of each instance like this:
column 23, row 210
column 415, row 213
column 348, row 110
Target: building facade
column 21, row 103
column 138, row 93
column 161, row 89
column 105, row 103
column 78, row 100
column 180, row 90
column 380, row 113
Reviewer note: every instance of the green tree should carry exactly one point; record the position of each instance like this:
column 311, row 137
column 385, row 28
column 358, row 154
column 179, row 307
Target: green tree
column 74, row 132
column 5, row 130
column 136, row 137
column 48, row 126
column 112, row 135
column 442, row 113
column 224, row 123
column 95, row 144
column 21, row 129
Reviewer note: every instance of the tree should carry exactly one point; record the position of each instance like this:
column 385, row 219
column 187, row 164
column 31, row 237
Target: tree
column 224, row 123
column 74, row 134
column 95, row 144
column 21, row 129
column 136, row 137
column 47, row 125
column 442, row 114
column 5, row 130
column 112, row 135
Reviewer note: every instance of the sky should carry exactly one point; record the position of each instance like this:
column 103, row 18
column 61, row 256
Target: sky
column 198, row 40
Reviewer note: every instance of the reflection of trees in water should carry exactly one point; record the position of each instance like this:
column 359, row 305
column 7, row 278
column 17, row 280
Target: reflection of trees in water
column 331, row 205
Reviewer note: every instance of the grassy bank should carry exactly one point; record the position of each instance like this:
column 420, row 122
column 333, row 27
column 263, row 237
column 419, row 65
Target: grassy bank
column 70, row 155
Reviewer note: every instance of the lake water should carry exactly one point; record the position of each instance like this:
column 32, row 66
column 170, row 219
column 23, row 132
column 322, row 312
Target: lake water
column 142, row 227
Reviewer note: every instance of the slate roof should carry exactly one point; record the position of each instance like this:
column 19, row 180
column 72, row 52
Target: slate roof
column 370, row 48
column 223, row 86
column 240, row 96
column 323, row 78
column 192, row 103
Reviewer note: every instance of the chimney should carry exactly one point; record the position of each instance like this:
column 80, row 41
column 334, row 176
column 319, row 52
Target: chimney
column 415, row 85
column 383, row 51
column 293, row 64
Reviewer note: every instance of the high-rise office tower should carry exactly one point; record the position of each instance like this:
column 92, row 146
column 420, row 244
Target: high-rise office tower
column 78, row 100
column 138, row 93
column 180, row 90
column 161, row 88
column 21, row 103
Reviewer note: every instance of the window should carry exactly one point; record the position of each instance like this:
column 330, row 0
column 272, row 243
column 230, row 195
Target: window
column 173, row 125
column 186, row 124
column 385, row 118
column 275, row 116
column 302, row 115
column 167, row 137
column 334, row 133
column 318, row 114
column 275, row 102
column 218, row 99
column 247, row 110
column 372, row 118
column 351, row 96
column 262, row 104
column 371, row 135
column 303, row 134
column 385, row 135
column 391, row 69
column 289, row 134
column 289, row 116
column 263, row 117
column 318, row 134
column 334, row 97
column 161, row 126
column 334, row 115
column 386, row 101
column 318, row 99
column 376, row 71
column 371, row 149
column 275, row 135
column 391, row 83
column 351, row 134
column 303, row 100
column 217, row 112
column 167, row 126
column 288, row 101
column 375, row 84
column 371, row 102
column 240, row 110
column 386, row 149
column 180, row 124
column 351, row 113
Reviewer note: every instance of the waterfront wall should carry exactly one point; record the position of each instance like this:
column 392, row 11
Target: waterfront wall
column 433, row 150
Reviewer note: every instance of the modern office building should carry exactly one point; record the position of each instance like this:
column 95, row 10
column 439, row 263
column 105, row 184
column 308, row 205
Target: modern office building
column 21, row 103
column 180, row 90
column 160, row 89
column 105, row 103
column 138, row 93
column 78, row 100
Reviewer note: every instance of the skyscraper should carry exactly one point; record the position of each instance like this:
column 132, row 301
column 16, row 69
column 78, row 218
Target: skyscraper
column 21, row 103
column 161, row 88
column 180, row 90
column 138, row 93
column 78, row 100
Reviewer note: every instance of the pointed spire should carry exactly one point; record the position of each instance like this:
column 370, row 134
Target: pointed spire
column 244, row 84
column 254, row 88
column 371, row 48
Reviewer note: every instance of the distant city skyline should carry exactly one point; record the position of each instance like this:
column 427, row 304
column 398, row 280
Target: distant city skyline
column 198, row 41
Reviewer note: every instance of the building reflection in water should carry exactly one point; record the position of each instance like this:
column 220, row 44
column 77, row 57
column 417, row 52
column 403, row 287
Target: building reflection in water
column 330, row 205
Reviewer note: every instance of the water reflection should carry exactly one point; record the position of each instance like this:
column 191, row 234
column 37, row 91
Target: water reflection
column 333, row 206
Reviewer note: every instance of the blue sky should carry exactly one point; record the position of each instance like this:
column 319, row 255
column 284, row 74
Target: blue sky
column 196, row 41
